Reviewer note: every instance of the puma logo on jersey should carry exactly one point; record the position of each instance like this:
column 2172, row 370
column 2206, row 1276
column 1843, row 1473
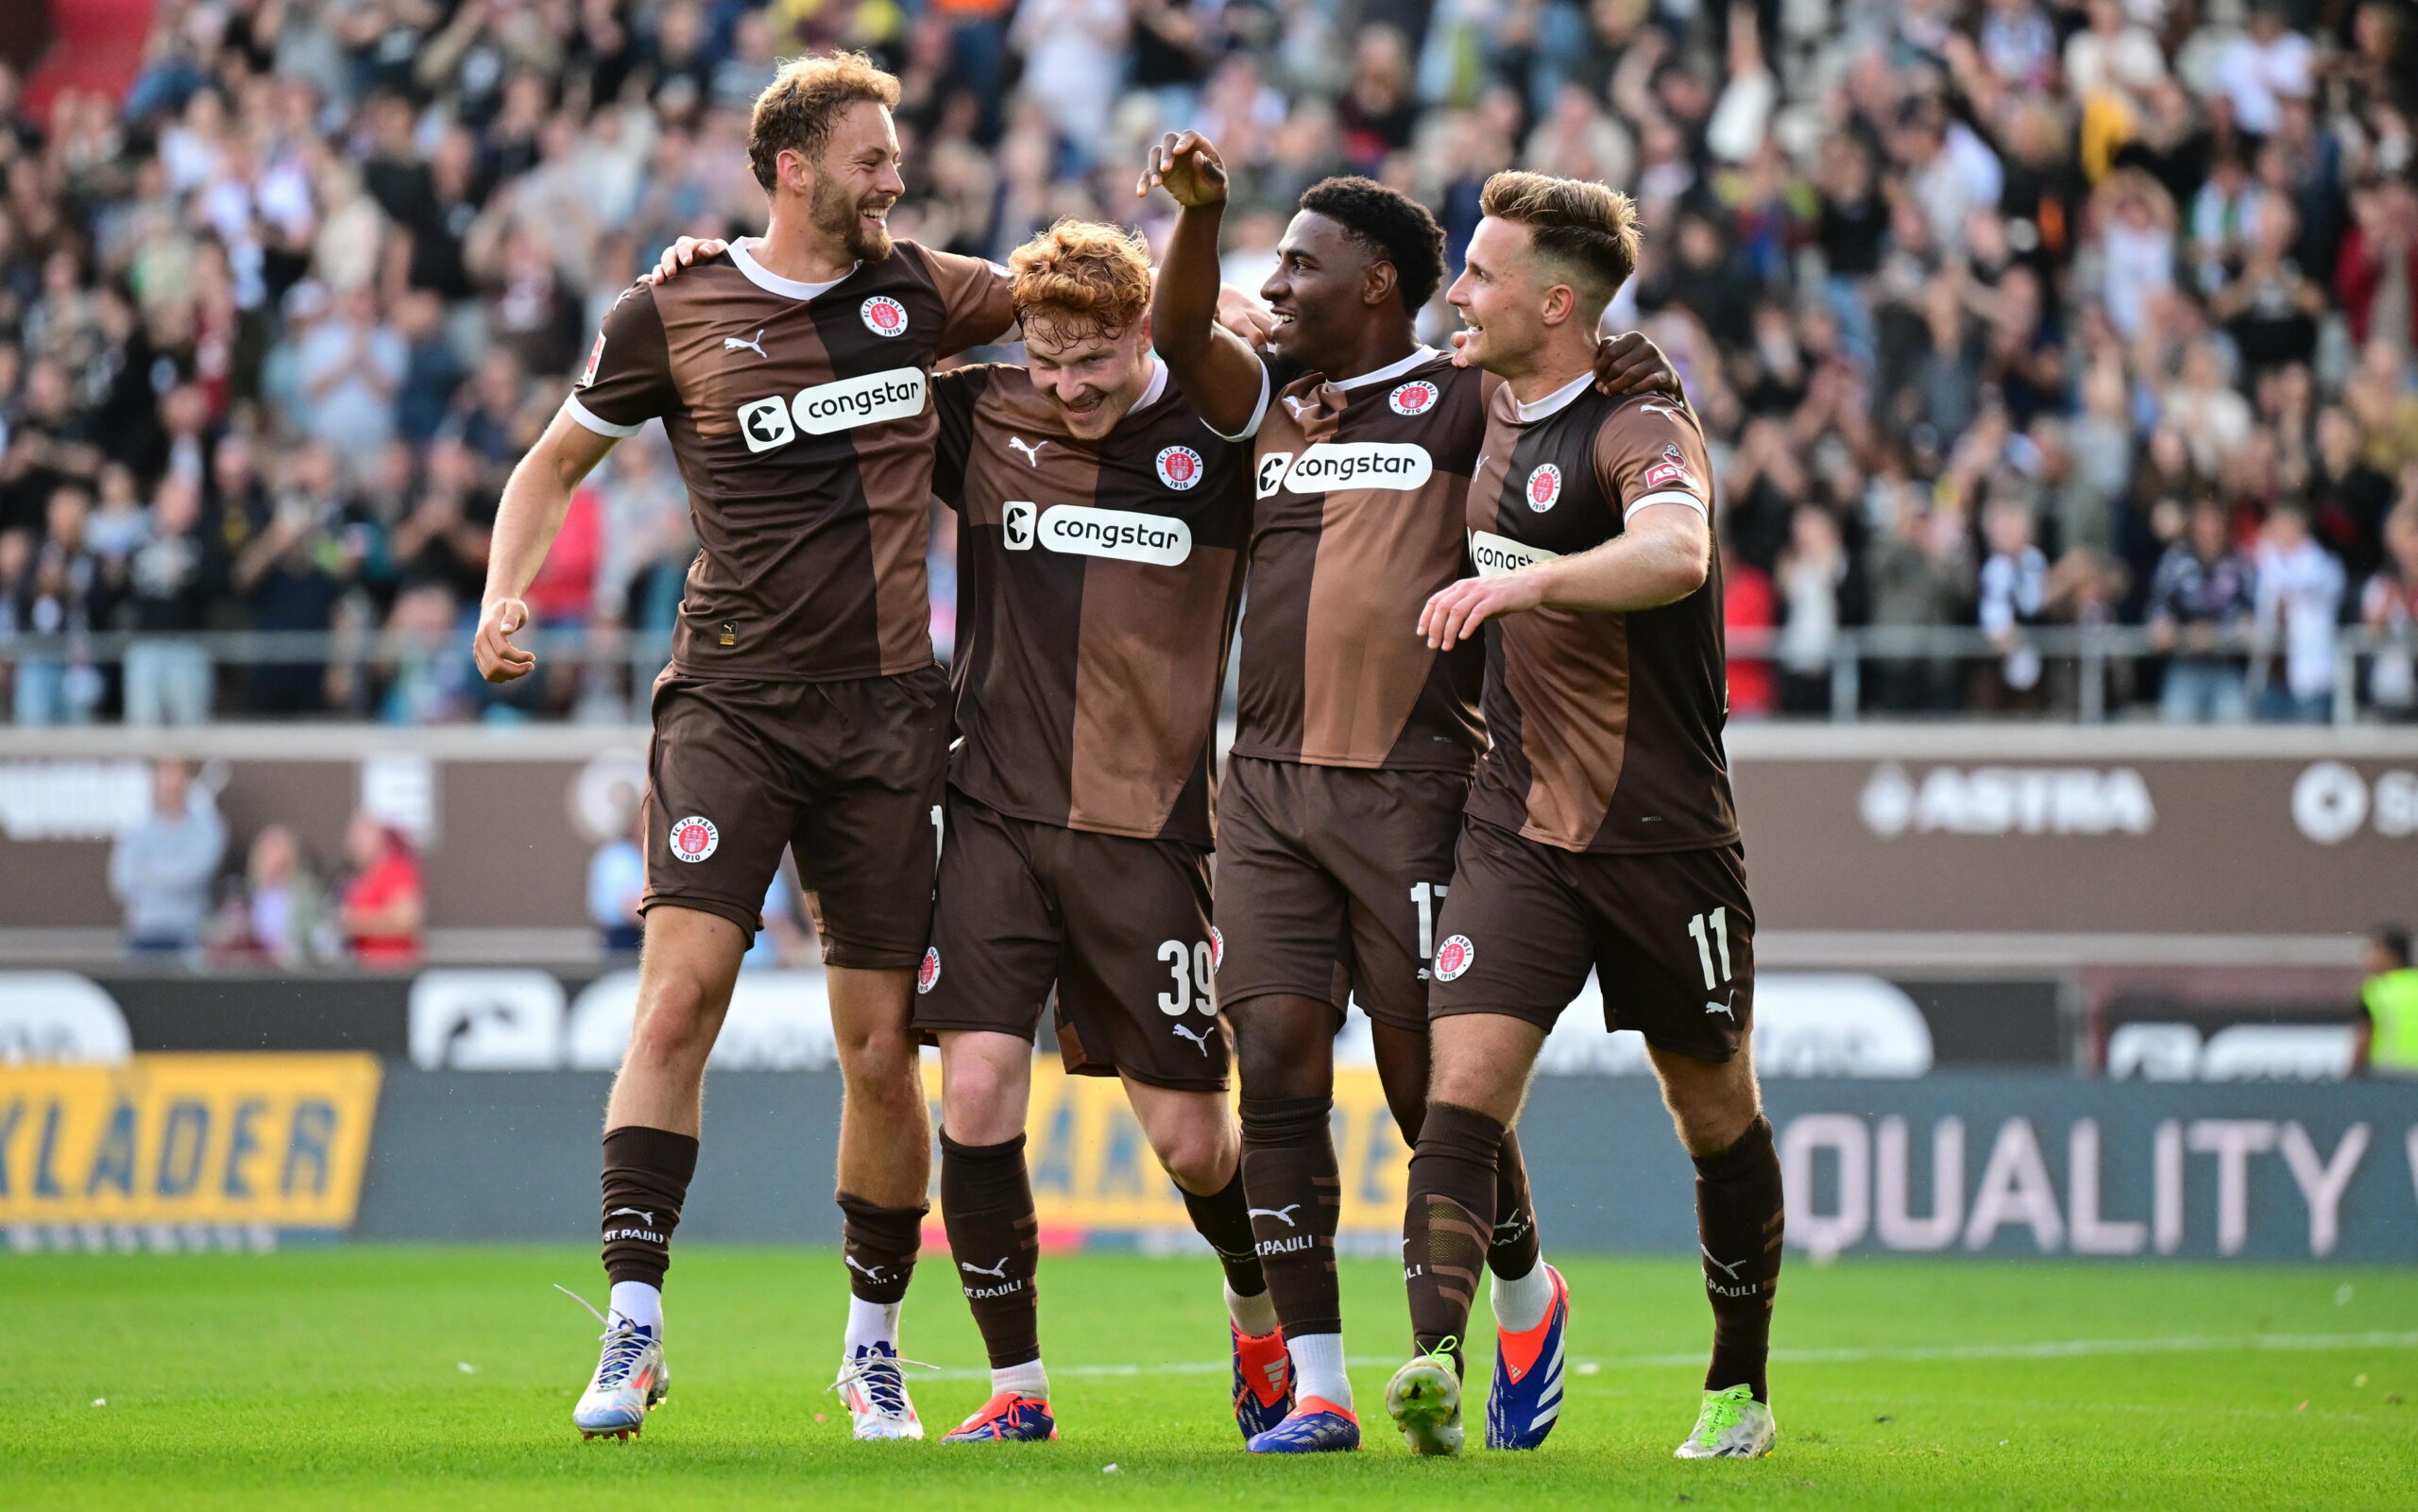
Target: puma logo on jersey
column 1298, row 406
column 1282, row 1214
column 1198, row 1037
column 1659, row 409
column 997, row 1272
column 1031, row 452
column 743, row 344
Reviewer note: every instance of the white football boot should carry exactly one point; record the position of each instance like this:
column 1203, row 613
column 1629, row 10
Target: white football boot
column 872, row 1385
column 631, row 1379
column 1733, row 1426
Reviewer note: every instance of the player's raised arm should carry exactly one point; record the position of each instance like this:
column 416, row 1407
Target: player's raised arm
column 1213, row 366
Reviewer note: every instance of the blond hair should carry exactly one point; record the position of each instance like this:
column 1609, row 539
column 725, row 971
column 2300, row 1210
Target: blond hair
column 798, row 110
column 1587, row 230
column 1081, row 276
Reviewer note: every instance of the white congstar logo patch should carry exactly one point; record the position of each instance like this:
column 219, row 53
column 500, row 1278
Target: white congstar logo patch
column 884, row 315
column 765, row 424
column 1331, row 464
column 694, row 838
column 1272, row 473
column 929, row 972
column 1080, row 530
column 1179, row 468
column 1453, row 957
column 1494, row 556
column 1415, row 397
column 1545, row 487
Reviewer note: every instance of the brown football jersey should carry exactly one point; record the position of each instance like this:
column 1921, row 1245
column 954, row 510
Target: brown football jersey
column 1361, row 491
column 800, row 420
column 1606, row 728
column 1097, row 588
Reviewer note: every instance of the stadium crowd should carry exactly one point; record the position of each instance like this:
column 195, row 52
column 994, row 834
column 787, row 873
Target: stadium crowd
column 2003, row 313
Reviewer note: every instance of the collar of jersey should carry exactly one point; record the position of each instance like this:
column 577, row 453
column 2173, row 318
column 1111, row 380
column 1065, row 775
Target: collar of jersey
column 1557, row 401
column 765, row 279
column 1418, row 357
column 1156, row 391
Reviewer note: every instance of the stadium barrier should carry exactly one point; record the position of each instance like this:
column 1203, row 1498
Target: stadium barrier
column 173, row 1151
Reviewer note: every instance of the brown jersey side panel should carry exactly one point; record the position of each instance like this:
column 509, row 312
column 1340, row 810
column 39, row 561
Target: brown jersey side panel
column 1133, row 756
column 1571, row 679
column 1357, row 702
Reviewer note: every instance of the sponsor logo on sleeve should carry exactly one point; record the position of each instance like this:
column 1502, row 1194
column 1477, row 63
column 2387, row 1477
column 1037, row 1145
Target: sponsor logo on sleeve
column 1673, row 469
column 1179, row 469
column 884, row 315
column 1495, row 556
column 1453, row 957
column 1331, row 464
column 595, row 355
column 1545, row 487
column 694, row 838
column 1080, row 530
column 1415, row 398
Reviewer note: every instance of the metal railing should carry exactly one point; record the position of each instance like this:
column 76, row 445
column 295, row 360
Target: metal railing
column 2085, row 673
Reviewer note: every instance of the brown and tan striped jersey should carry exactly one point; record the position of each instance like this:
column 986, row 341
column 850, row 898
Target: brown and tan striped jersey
column 1361, row 491
column 800, row 420
column 1097, row 587
column 1605, row 728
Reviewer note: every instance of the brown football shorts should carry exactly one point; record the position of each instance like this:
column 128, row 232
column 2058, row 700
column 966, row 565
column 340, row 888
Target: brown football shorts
column 1670, row 936
column 1329, row 880
column 1118, row 925
column 848, row 775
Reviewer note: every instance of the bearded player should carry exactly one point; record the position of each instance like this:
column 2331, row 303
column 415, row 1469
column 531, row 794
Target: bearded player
column 1600, row 832
column 803, row 709
column 1102, row 554
column 1356, row 739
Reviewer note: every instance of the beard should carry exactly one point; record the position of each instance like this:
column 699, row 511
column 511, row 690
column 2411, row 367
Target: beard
column 833, row 212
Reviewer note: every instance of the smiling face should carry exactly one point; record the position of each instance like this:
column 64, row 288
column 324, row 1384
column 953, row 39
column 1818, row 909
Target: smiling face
column 851, row 190
column 1326, row 288
column 1094, row 377
column 1508, row 298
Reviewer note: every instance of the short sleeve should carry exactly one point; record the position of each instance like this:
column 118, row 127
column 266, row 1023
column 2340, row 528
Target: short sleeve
column 1259, row 410
column 627, row 380
column 976, row 309
column 1652, row 452
column 955, row 394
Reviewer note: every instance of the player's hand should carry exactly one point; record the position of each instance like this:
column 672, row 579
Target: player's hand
column 1631, row 363
column 1454, row 614
column 1245, row 314
column 683, row 252
column 1460, row 338
column 499, row 659
column 1187, row 165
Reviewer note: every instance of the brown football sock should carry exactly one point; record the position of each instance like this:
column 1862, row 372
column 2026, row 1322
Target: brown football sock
column 1513, row 1250
column 879, row 1246
column 1296, row 1199
column 646, row 1178
column 1223, row 1218
column 1738, row 1223
column 995, row 1237
column 1449, row 1217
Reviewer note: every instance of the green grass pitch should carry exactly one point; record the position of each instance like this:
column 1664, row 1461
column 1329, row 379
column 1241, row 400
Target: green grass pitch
column 444, row 1378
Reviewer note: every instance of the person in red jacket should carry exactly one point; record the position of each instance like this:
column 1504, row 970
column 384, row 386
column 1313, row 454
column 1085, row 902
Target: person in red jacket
column 384, row 903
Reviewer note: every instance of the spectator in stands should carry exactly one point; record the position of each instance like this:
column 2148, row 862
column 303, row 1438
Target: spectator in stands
column 161, row 869
column 616, row 882
column 170, row 580
column 62, row 594
column 2388, row 607
column 295, row 571
column 2299, row 598
column 2200, row 603
column 2384, row 1028
column 382, row 909
column 282, row 914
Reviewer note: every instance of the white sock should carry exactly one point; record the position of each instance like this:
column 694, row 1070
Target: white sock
column 1025, row 1379
column 1521, row 1304
column 640, row 1303
column 869, row 1323
column 1254, row 1315
column 1318, row 1368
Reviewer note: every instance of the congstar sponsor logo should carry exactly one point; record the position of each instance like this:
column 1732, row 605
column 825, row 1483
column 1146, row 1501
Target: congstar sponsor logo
column 1080, row 530
column 843, row 405
column 1495, row 556
column 1331, row 465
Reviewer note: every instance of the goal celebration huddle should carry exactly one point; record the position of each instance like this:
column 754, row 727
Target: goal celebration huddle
column 1478, row 753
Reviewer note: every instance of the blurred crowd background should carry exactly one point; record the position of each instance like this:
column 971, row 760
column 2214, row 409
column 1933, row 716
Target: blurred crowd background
column 2017, row 323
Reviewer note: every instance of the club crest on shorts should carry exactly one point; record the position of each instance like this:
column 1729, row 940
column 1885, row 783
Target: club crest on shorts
column 928, row 973
column 1179, row 468
column 1453, row 957
column 1415, row 398
column 694, row 838
column 884, row 315
column 1545, row 487
column 1216, row 949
